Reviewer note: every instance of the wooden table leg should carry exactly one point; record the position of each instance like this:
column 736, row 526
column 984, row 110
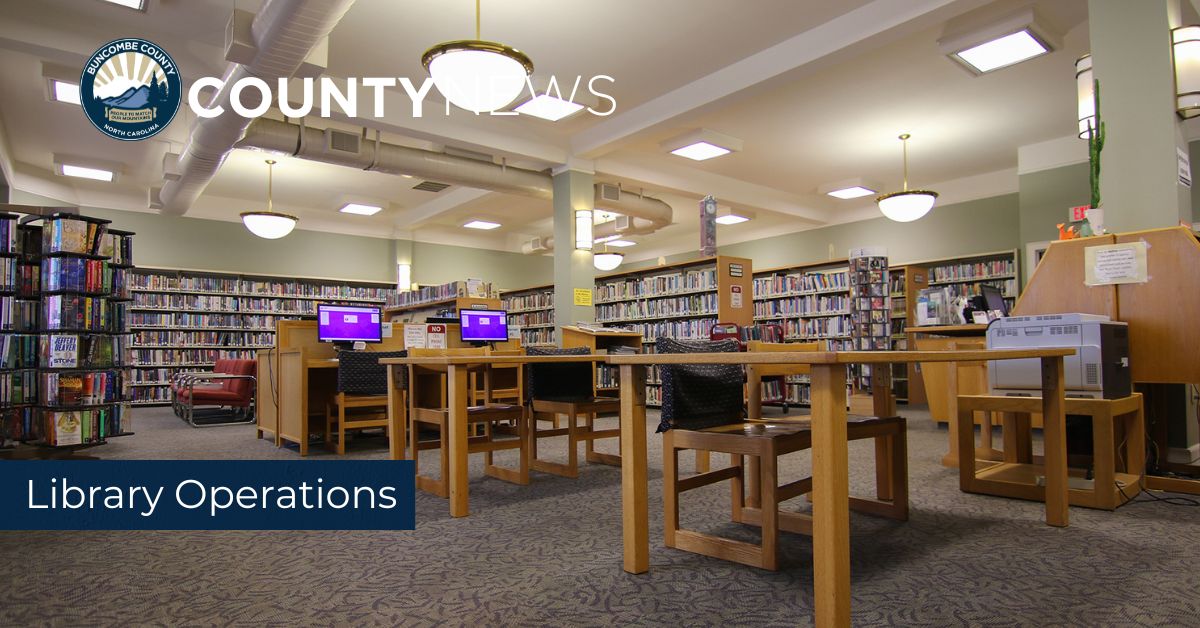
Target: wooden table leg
column 753, row 392
column 1054, row 432
column 951, row 457
column 397, row 432
column 1135, row 443
column 456, row 395
column 831, row 496
column 635, row 524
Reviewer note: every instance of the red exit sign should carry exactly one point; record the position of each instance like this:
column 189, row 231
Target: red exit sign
column 1079, row 213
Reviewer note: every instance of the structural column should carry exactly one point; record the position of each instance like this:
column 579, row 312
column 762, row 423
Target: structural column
column 572, row 269
column 1131, row 52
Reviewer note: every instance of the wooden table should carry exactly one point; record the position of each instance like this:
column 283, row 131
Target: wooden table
column 830, row 472
column 457, row 397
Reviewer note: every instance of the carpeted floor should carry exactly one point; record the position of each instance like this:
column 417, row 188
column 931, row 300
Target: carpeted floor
column 549, row 554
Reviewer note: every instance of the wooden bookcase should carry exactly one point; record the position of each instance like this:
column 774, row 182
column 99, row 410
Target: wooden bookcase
column 531, row 309
column 682, row 300
column 964, row 275
column 187, row 320
column 601, row 342
column 906, row 282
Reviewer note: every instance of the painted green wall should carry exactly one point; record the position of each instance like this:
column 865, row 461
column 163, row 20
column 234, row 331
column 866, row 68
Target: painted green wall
column 440, row 263
column 1045, row 198
column 979, row 226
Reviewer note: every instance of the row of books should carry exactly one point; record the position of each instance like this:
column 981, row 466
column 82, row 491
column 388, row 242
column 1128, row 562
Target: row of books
column 540, row 336
column 539, row 317
column 78, row 427
column 19, row 423
column 185, row 302
column 973, row 270
column 8, row 233
column 251, row 287
column 899, row 306
column 66, row 389
column 1008, row 287
column 18, row 351
column 895, row 281
column 529, row 301
column 692, row 304
column 75, row 235
column 784, row 285
column 809, row 305
column 187, row 357
column 161, row 376
column 689, row 328
column 77, row 312
column 151, row 394
column 120, row 249
column 255, row 322
column 17, row 314
column 815, row 328
column 28, row 280
column 18, row 387
column 84, row 351
column 657, row 285
column 214, row 338
column 451, row 290
column 73, row 273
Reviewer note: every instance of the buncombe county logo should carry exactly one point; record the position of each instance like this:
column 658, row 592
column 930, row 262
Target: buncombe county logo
column 130, row 89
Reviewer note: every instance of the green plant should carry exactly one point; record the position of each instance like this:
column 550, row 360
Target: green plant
column 1095, row 140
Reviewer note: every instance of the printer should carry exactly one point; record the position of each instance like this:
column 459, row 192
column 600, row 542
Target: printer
column 1098, row 370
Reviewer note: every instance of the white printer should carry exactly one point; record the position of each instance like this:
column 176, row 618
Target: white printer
column 1099, row 368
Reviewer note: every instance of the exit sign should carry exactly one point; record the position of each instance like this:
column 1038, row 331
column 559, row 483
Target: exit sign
column 1079, row 213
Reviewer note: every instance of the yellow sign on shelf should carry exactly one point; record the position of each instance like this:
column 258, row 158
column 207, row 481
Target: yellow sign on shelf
column 583, row 296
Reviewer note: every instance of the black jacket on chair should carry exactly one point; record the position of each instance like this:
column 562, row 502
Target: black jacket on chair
column 360, row 373
column 698, row 396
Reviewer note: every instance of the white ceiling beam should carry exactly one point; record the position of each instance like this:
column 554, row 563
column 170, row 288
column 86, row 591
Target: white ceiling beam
column 415, row 217
column 834, row 36
column 692, row 181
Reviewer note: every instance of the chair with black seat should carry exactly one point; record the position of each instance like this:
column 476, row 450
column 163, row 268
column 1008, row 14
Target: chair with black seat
column 702, row 410
column 567, row 389
column 429, row 410
column 362, row 395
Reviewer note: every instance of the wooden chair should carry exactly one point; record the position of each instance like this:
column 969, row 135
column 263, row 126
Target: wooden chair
column 508, row 382
column 569, row 390
column 362, row 390
column 702, row 410
column 428, row 408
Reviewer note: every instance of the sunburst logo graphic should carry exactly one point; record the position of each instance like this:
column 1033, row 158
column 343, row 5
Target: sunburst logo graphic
column 130, row 89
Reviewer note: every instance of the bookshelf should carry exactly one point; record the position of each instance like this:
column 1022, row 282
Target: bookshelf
column 531, row 309
column 185, row 320
column 904, row 283
column 64, row 342
column 964, row 275
column 682, row 300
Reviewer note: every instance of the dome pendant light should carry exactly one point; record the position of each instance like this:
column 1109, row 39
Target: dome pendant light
column 906, row 205
column 607, row 260
column 477, row 75
column 270, row 224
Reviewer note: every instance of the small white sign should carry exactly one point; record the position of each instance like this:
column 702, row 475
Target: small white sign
column 1185, row 167
column 735, row 297
column 387, row 329
column 414, row 336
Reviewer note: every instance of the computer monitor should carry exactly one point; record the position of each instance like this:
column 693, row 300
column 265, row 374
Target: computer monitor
column 479, row 326
column 349, row 323
column 994, row 299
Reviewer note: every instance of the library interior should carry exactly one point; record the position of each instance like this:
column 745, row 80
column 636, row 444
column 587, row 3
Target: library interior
column 772, row 313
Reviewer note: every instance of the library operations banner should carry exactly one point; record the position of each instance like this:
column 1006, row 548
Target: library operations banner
column 207, row 495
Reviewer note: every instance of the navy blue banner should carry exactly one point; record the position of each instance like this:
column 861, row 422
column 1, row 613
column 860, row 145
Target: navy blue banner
column 207, row 495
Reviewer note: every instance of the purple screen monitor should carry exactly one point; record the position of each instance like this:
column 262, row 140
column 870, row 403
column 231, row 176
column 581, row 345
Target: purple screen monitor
column 349, row 323
column 483, row 325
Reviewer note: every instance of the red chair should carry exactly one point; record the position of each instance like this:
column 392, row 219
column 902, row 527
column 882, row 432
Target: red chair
column 228, row 391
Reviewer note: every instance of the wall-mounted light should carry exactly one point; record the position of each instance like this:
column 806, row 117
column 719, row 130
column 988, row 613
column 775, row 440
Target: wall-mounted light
column 1186, row 51
column 583, row 229
column 403, row 277
column 1084, row 95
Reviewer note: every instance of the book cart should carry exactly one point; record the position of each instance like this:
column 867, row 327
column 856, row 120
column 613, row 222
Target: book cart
column 65, row 340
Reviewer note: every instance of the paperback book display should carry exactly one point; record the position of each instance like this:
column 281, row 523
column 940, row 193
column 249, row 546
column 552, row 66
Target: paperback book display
column 64, row 338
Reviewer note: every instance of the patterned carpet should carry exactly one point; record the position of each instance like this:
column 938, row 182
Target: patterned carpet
column 550, row 555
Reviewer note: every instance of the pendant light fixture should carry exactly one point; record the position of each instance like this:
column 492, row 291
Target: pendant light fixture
column 906, row 205
column 270, row 224
column 607, row 260
column 477, row 75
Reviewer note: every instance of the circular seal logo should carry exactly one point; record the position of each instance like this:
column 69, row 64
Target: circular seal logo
column 130, row 89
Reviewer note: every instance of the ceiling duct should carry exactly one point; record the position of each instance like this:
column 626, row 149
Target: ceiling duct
column 640, row 215
column 283, row 34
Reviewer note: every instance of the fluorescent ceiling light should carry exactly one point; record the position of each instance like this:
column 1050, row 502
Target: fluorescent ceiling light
column 139, row 5
column 86, row 173
column 360, row 209
column 621, row 243
column 62, row 91
column 729, row 216
column 856, row 191
column 608, row 238
column 701, row 144
column 548, row 108
column 482, row 224
column 1003, row 52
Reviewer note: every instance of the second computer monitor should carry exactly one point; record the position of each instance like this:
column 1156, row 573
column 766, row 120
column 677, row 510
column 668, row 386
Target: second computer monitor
column 994, row 299
column 483, row 325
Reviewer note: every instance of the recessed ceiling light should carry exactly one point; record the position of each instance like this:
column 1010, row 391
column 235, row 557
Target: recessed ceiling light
column 139, row 5
column 360, row 209
column 548, row 108
column 86, row 173
column 621, row 243
column 730, row 216
column 851, row 192
column 481, row 224
column 1005, row 51
column 701, row 144
column 62, row 91
column 608, row 238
